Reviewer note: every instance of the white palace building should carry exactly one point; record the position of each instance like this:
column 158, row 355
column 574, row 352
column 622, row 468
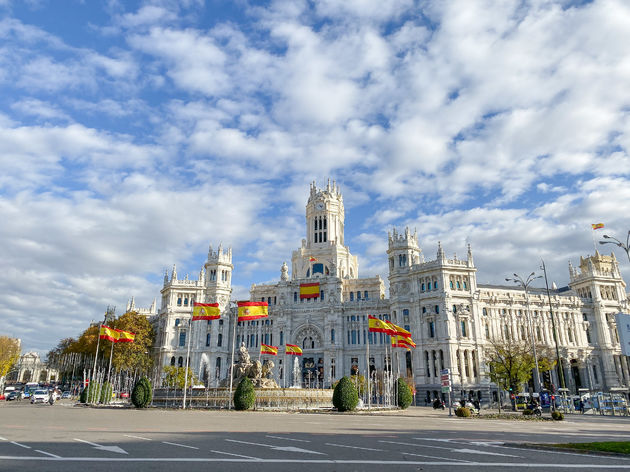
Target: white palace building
column 451, row 316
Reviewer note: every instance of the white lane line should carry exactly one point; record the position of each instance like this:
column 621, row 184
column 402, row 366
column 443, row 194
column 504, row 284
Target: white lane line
column 235, row 455
column 3, row 439
column 21, row 445
column 478, row 465
column 452, row 449
column 137, row 437
column 286, row 439
column 417, row 445
column 434, row 457
column 48, row 454
column 355, row 447
column 180, row 445
column 278, row 448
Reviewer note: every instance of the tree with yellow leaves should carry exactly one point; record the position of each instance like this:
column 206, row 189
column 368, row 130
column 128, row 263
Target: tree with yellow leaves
column 9, row 354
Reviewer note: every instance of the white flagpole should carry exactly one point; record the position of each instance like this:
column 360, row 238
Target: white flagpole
column 234, row 322
column 98, row 342
column 190, row 325
column 109, row 369
column 367, row 361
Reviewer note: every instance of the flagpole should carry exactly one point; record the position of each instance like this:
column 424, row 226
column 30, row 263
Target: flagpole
column 235, row 321
column 367, row 361
column 98, row 342
column 190, row 328
column 109, row 369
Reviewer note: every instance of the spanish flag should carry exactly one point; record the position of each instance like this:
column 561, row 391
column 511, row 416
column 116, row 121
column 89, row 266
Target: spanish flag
column 266, row 349
column 206, row 311
column 125, row 336
column 399, row 331
column 309, row 290
column 293, row 350
column 108, row 333
column 248, row 311
column 379, row 326
column 597, row 225
column 401, row 341
column 312, row 259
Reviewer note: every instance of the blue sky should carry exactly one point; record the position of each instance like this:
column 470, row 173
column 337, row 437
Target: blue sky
column 135, row 134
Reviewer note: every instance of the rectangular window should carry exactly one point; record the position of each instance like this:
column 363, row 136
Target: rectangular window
column 208, row 339
column 464, row 333
column 182, row 338
column 431, row 329
column 321, row 295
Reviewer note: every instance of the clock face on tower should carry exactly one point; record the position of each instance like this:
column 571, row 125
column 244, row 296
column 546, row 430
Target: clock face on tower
column 319, row 206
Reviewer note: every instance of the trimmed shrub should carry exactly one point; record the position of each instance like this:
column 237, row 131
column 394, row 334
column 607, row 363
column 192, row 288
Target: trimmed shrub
column 105, row 393
column 90, row 394
column 528, row 412
column 463, row 412
column 138, row 396
column 148, row 390
column 245, row 395
column 345, row 396
column 404, row 395
column 557, row 415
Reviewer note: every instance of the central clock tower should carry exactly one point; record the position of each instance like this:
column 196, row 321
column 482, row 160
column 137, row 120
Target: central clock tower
column 323, row 252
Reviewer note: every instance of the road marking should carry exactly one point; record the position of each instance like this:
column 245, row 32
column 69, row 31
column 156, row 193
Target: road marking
column 277, row 448
column 450, row 462
column 137, row 437
column 3, row 439
column 180, row 445
column 235, row 455
column 355, row 447
column 21, row 445
column 103, row 448
column 452, row 449
column 475, row 451
column 434, row 457
column 286, row 439
column 48, row 454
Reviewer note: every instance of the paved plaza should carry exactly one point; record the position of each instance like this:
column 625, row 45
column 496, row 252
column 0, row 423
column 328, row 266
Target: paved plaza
column 64, row 437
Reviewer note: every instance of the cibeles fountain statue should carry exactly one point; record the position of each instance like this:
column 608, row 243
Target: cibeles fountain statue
column 261, row 374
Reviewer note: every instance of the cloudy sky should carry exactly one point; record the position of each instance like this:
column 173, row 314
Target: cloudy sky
column 135, row 133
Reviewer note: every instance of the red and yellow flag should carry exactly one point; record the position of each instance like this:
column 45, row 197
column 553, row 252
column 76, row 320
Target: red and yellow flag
column 206, row 311
column 399, row 331
column 312, row 259
column 293, row 350
column 309, row 290
column 597, row 225
column 108, row 333
column 248, row 311
column 266, row 349
column 379, row 326
column 402, row 341
column 125, row 336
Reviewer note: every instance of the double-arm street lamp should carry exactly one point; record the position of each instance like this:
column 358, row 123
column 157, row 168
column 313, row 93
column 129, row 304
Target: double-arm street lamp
column 525, row 284
column 616, row 242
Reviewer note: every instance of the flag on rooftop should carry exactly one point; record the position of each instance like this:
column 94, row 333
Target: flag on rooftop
column 248, row 311
column 206, row 311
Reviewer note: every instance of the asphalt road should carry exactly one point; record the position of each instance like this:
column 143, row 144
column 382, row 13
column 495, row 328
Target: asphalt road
column 64, row 437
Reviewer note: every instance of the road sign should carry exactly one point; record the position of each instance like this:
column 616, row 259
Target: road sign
column 445, row 378
column 445, row 371
column 446, row 389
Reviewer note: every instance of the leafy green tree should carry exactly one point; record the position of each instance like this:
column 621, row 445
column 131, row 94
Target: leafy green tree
column 9, row 354
column 404, row 394
column 345, row 395
column 175, row 376
column 245, row 395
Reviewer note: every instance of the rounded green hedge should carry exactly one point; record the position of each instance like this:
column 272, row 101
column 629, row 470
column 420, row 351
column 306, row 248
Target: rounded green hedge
column 463, row 412
column 345, row 396
column 142, row 393
column 404, row 394
column 245, row 395
column 106, row 393
column 557, row 415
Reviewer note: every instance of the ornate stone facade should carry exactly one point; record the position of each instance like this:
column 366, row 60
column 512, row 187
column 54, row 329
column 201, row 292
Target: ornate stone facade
column 450, row 316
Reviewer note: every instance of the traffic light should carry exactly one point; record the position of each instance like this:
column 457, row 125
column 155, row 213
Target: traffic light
column 547, row 379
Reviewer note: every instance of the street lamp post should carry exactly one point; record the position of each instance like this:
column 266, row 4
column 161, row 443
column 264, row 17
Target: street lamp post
column 560, row 370
column 525, row 284
column 616, row 242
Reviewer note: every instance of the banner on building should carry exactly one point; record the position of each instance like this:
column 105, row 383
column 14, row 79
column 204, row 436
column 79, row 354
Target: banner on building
column 623, row 328
column 309, row 290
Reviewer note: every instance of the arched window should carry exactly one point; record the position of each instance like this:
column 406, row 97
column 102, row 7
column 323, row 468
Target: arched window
column 173, row 360
column 180, row 362
column 219, row 340
column 281, row 338
column 208, row 339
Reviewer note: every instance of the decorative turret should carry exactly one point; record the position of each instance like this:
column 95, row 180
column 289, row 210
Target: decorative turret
column 165, row 277
column 403, row 249
column 471, row 262
column 174, row 273
column 218, row 275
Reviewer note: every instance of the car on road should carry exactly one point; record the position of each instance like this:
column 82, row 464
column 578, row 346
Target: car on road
column 67, row 394
column 40, row 396
column 14, row 395
column 124, row 395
